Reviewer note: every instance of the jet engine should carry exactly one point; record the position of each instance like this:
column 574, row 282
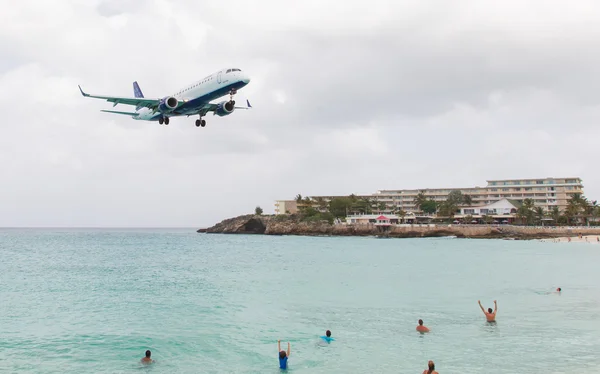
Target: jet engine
column 225, row 108
column 167, row 104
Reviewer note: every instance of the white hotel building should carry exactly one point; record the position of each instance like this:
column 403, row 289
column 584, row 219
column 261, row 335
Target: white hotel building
column 546, row 193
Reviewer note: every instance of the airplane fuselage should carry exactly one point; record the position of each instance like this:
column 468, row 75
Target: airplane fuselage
column 196, row 95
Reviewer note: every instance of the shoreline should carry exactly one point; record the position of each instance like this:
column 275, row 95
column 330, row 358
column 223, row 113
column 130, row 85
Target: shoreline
column 295, row 225
column 590, row 239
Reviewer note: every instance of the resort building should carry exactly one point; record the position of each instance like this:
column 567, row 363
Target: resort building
column 286, row 207
column 546, row 193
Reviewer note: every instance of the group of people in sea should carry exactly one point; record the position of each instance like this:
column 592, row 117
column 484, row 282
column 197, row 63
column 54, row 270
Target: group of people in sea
column 284, row 355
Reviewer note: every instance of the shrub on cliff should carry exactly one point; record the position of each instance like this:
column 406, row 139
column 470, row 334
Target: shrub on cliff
column 310, row 214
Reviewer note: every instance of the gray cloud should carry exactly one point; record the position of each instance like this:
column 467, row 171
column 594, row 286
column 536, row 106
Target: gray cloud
column 347, row 98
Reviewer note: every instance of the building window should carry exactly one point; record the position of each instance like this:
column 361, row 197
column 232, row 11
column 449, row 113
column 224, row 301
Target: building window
column 505, row 189
column 469, row 211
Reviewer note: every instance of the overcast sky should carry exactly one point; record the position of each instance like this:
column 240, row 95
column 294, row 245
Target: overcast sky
column 348, row 96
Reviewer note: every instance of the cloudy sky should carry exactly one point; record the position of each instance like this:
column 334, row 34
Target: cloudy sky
column 348, row 96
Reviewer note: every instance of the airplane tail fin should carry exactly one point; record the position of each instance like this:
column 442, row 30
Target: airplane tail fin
column 136, row 90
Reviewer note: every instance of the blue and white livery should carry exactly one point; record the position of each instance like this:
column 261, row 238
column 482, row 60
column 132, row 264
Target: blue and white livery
column 194, row 99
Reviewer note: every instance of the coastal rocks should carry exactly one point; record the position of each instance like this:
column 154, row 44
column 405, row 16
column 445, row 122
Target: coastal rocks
column 248, row 224
column 295, row 225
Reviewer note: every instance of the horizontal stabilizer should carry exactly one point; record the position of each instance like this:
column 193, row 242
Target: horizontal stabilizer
column 245, row 107
column 126, row 113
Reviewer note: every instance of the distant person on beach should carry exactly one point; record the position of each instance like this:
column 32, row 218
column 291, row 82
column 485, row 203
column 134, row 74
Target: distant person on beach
column 421, row 328
column 430, row 369
column 328, row 337
column 283, row 355
column 147, row 359
column 489, row 315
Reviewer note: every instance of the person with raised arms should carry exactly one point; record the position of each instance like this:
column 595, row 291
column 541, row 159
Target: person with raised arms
column 283, row 355
column 489, row 315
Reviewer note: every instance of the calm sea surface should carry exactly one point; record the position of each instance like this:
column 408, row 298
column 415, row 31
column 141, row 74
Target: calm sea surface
column 92, row 301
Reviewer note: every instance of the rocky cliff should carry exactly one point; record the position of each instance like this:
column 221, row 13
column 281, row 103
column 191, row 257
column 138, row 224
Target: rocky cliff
column 294, row 225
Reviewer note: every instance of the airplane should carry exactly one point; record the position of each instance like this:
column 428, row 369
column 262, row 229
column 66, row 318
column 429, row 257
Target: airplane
column 191, row 100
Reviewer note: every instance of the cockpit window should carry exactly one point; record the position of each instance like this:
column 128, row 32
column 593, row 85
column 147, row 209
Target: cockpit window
column 228, row 70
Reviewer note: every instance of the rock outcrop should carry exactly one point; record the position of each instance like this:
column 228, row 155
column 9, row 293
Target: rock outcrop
column 294, row 225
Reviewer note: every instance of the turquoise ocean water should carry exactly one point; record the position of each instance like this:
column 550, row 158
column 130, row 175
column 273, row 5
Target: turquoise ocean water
column 92, row 301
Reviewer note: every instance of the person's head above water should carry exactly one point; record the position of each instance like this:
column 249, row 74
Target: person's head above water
column 282, row 354
column 148, row 353
column 559, row 289
column 490, row 310
column 328, row 333
column 431, row 365
column 421, row 322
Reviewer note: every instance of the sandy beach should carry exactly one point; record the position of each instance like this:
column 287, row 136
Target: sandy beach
column 594, row 239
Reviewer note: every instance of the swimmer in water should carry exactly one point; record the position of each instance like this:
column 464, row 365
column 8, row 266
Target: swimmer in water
column 430, row 369
column 283, row 356
column 422, row 328
column 489, row 315
column 147, row 359
column 328, row 337
column 558, row 289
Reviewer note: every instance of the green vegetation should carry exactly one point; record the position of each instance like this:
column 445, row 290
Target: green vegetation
column 429, row 206
column 258, row 211
column 579, row 210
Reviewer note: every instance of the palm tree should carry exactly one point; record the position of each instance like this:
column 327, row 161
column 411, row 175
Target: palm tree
column 467, row 200
column 447, row 208
column 382, row 206
column 539, row 213
column 580, row 202
column 555, row 214
column 321, row 203
column 522, row 213
column 298, row 198
column 420, row 199
column 572, row 210
column 401, row 213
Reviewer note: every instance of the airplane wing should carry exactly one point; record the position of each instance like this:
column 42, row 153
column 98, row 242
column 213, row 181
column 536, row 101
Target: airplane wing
column 139, row 102
column 134, row 114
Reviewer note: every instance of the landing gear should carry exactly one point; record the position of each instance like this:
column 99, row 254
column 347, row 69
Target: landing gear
column 160, row 120
column 231, row 93
column 200, row 122
column 166, row 120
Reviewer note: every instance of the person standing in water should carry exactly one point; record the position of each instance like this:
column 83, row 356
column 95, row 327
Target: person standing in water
column 489, row 315
column 328, row 337
column 283, row 356
column 147, row 359
column 430, row 369
column 421, row 328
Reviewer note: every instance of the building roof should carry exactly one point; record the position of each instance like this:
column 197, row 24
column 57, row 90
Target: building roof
column 382, row 218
